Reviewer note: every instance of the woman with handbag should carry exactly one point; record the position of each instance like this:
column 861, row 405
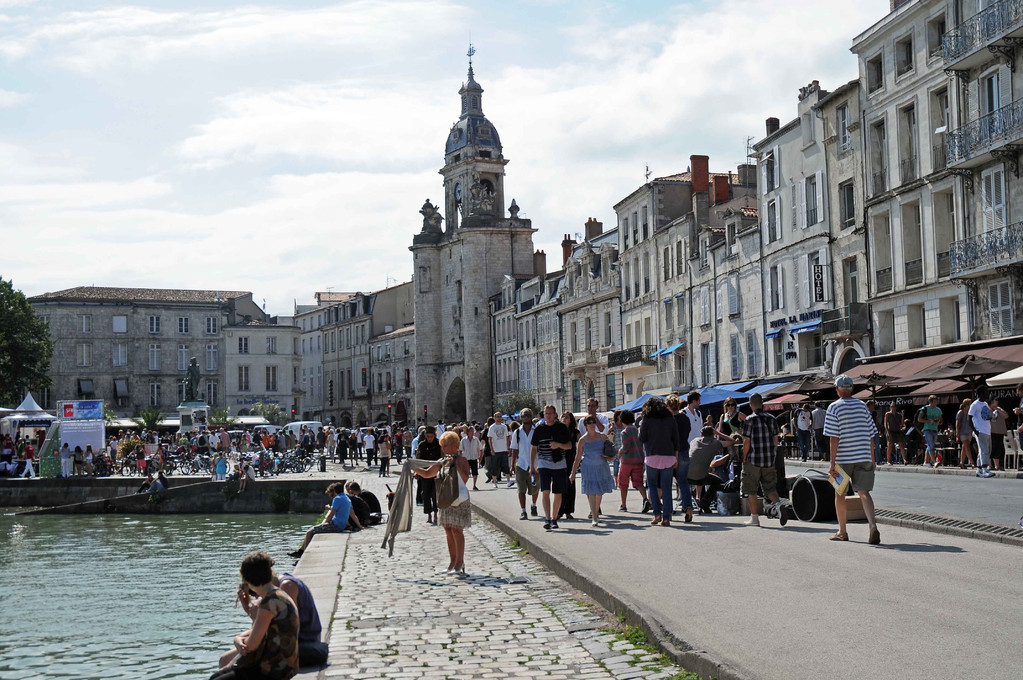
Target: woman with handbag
column 455, row 513
column 568, row 498
column 593, row 454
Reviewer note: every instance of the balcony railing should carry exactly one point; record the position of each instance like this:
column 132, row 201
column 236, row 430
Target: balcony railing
column 506, row 386
column 880, row 184
column 884, row 279
column 944, row 268
column 938, row 159
column 992, row 248
column 974, row 138
column 639, row 354
column 981, row 29
column 666, row 380
column 851, row 321
column 909, row 169
column 914, row 272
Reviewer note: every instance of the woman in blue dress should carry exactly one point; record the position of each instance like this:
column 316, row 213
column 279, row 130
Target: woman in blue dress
column 597, row 479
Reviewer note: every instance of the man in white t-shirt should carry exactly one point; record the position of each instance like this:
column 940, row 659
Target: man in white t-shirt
column 521, row 451
column 369, row 442
column 980, row 416
column 591, row 410
column 499, row 440
column 471, row 450
column 440, row 429
column 804, row 424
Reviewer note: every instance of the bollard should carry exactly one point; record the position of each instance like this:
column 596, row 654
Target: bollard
column 323, row 463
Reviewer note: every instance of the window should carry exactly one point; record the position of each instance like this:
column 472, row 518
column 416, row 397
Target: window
column 85, row 323
column 875, row 73
column 812, row 193
column 83, row 354
column 776, row 288
column 211, row 325
column 120, row 353
column 770, row 172
column 271, row 378
column 645, row 222
column 704, row 305
column 154, row 357
column 154, row 324
column 625, row 233
column 878, row 158
column 154, row 394
column 772, row 221
column 704, row 254
column 736, row 349
column 182, row 357
column 667, row 316
column 380, row 382
column 751, row 353
column 211, row 357
column 212, row 388
column 589, row 335
column 708, row 362
column 243, row 378
column 387, row 380
column 679, row 310
column 851, row 280
column 935, row 29
column 778, row 347
column 607, row 329
column 992, row 183
column 844, row 136
column 120, row 324
column 666, row 262
column 635, row 229
column 271, row 345
column 575, row 337
column 990, row 93
column 999, row 304
column 183, row 325
column 679, row 258
column 904, row 55
column 646, row 273
column 846, row 205
column 243, row 345
column 610, row 392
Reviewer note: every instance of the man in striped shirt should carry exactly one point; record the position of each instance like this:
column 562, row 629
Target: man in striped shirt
column 852, row 433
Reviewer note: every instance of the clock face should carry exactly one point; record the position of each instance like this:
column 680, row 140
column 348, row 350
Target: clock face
column 458, row 192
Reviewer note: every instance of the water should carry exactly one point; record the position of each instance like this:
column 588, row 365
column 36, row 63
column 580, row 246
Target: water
column 108, row 597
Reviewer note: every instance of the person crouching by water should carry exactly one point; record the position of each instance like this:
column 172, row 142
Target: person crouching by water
column 269, row 649
column 339, row 513
column 456, row 518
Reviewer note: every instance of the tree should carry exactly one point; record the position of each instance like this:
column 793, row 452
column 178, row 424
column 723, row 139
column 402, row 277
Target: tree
column 25, row 346
column 272, row 412
column 518, row 400
column 221, row 417
column 147, row 418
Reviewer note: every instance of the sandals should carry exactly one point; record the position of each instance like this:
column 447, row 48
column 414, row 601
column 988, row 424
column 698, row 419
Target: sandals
column 839, row 537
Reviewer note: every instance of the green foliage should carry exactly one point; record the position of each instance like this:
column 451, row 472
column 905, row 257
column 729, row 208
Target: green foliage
column 108, row 415
column 147, row 418
column 25, row 346
column 520, row 399
column 221, row 417
column 272, row 412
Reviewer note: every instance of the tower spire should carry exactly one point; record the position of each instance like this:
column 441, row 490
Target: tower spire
column 469, row 53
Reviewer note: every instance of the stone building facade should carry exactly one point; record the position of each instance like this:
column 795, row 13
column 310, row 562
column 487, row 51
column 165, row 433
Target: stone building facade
column 538, row 321
column 459, row 266
column 131, row 346
column 310, row 319
column 392, row 362
column 262, row 363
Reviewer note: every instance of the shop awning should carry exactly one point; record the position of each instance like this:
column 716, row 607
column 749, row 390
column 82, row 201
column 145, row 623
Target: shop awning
column 808, row 327
column 716, row 395
column 908, row 364
column 85, row 387
column 1009, row 378
column 120, row 388
column 766, row 388
column 657, row 352
column 673, row 348
column 667, row 301
column 774, row 333
column 735, row 386
column 779, row 403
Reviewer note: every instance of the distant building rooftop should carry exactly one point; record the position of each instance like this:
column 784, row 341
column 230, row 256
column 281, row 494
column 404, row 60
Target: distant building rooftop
column 103, row 293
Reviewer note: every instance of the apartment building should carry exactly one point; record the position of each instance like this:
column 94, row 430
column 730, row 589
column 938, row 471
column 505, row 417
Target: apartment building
column 310, row 319
column 392, row 361
column 540, row 367
column 262, row 361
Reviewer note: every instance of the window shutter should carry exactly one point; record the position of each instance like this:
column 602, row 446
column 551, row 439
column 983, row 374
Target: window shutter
column 698, row 368
column 795, row 203
column 819, row 187
column 763, row 175
column 802, row 203
column 781, row 287
column 733, row 294
column 751, row 353
column 987, row 200
column 704, row 305
column 998, row 198
column 736, row 367
column 712, row 372
column 769, row 290
column 777, row 167
column 994, row 304
column 1007, row 320
column 807, row 280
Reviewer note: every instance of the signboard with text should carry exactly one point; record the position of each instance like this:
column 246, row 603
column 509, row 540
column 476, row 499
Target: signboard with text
column 818, row 283
column 81, row 410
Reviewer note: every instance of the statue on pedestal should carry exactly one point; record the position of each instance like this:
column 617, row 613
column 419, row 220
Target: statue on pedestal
column 192, row 377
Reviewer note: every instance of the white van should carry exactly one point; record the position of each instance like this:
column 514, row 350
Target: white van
column 312, row 425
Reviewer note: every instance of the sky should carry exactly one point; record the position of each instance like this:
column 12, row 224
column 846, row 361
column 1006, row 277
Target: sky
column 286, row 147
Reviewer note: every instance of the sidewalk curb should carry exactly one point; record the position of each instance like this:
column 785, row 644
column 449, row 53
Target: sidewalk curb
column 936, row 524
column 913, row 469
column 696, row 661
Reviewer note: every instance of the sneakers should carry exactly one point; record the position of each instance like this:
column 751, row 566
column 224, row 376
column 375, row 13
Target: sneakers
column 623, row 509
column 554, row 524
column 753, row 521
column 523, row 515
column 532, row 511
column 511, row 483
column 547, row 525
column 647, row 507
column 987, row 473
column 980, row 472
column 780, row 509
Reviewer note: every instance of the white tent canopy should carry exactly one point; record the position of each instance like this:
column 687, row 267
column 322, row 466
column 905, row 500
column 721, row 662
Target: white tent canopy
column 1011, row 377
column 29, row 405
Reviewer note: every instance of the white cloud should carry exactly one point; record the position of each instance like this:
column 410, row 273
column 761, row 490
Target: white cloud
column 83, row 194
column 10, row 99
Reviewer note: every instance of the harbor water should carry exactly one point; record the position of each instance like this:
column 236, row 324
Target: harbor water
column 108, row 597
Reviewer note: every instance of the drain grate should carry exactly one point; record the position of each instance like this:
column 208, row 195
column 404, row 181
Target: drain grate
column 478, row 580
column 960, row 527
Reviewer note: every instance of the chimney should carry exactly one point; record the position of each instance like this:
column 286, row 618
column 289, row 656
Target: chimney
column 747, row 175
column 772, row 126
column 593, row 229
column 701, row 181
column 566, row 248
column 721, row 189
column 539, row 263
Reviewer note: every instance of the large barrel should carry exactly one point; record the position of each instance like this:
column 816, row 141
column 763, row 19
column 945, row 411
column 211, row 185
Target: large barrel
column 813, row 499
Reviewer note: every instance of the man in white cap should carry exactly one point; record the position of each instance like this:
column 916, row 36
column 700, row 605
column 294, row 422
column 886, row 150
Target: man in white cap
column 852, row 432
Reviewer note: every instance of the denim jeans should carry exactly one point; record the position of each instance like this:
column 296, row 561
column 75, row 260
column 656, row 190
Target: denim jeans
column 657, row 478
column 682, row 477
column 930, row 439
column 804, row 442
column 983, row 449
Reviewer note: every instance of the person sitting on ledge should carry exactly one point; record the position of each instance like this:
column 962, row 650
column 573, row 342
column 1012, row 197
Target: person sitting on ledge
column 269, row 649
column 144, row 488
column 361, row 508
column 339, row 513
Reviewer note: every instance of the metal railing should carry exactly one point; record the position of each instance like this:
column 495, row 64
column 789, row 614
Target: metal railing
column 506, row 386
column 852, row 320
column 914, row 272
column 944, row 268
column 1003, row 125
column 880, row 184
column 884, row 279
column 638, row 354
column 991, row 248
column 981, row 29
column 909, row 169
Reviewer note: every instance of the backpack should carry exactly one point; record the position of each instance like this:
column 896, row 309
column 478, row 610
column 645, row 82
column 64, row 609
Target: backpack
column 447, row 485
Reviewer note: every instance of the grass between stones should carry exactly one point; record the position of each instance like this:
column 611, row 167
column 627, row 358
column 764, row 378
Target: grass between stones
column 637, row 638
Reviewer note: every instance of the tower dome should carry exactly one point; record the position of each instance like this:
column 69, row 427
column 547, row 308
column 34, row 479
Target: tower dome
column 472, row 129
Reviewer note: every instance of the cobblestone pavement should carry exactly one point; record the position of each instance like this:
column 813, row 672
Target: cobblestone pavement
column 399, row 617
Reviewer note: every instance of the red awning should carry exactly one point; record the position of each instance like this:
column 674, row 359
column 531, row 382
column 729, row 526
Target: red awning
column 779, row 403
column 909, row 366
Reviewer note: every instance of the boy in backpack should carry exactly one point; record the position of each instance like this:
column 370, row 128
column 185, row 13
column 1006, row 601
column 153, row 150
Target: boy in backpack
column 930, row 420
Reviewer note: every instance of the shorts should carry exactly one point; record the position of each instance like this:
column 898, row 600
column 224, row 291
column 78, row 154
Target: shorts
column 525, row 484
column 633, row 471
column 861, row 475
column 326, row 528
column 555, row 481
column 896, row 437
column 754, row 477
column 474, row 467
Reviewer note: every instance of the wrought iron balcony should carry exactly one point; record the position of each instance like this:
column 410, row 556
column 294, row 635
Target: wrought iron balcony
column 640, row 354
column 995, row 248
column 944, row 268
column 884, row 279
column 1001, row 20
column 914, row 272
column 970, row 144
column 851, row 321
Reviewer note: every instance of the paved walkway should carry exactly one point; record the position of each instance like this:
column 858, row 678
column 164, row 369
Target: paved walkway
column 397, row 617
